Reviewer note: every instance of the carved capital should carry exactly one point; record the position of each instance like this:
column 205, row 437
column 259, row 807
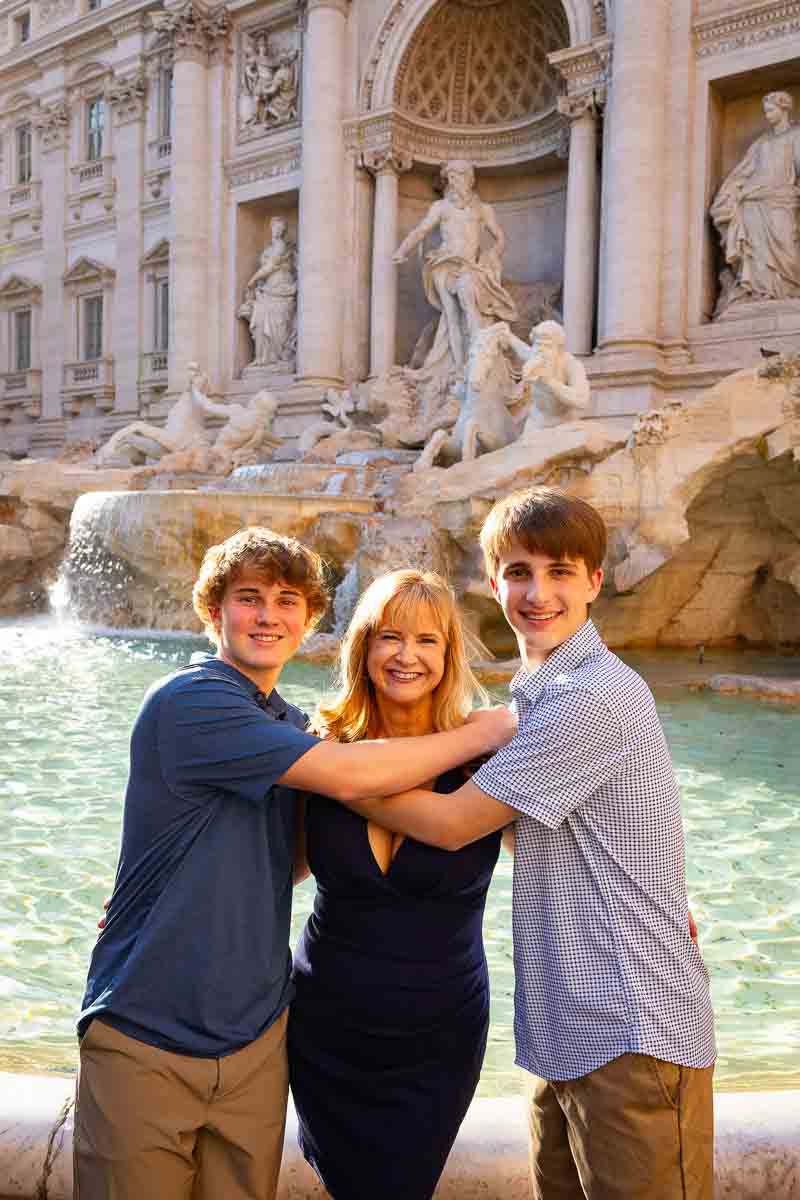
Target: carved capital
column 340, row 6
column 193, row 31
column 126, row 97
column 53, row 126
column 381, row 162
column 586, row 104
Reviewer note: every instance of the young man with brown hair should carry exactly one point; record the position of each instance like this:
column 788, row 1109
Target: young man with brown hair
column 613, row 1018
column 183, row 1077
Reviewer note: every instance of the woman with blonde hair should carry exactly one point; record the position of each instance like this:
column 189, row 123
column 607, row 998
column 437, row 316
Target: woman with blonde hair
column 388, row 1027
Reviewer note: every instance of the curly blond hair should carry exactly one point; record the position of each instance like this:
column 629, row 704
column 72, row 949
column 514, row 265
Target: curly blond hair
column 272, row 555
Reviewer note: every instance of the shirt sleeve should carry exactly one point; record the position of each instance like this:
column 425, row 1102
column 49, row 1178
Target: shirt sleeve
column 568, row 746
column 212, row 737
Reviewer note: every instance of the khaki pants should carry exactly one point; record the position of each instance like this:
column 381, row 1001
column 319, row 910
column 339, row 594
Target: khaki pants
column 152, row 1123
column 637, row 1128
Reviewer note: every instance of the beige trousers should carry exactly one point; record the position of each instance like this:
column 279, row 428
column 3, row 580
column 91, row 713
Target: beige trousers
column 637, row 1128
column 152, row 1123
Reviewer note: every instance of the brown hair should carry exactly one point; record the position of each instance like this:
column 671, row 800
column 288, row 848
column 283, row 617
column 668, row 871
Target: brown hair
column 545, row 520
column 396, row 596
column 271, row 555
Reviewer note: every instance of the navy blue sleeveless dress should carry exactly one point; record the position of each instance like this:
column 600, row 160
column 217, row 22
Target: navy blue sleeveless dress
column 387, row 1030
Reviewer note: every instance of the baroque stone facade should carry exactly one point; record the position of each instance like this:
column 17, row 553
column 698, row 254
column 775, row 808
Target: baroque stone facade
column 604, row 134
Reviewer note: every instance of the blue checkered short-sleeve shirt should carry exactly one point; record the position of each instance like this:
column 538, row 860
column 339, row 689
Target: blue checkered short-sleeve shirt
column 603, row 959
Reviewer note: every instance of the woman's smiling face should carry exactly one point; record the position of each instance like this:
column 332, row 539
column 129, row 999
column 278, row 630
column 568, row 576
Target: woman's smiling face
column 406, row 656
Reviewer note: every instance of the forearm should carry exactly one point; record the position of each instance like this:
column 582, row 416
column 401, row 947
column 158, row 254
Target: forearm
column 356, row 771
column 447, row 821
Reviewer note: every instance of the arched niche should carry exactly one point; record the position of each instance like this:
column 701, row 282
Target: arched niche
column 584, row 19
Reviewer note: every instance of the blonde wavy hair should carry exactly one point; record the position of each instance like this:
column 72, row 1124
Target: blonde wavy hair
column 397, row 597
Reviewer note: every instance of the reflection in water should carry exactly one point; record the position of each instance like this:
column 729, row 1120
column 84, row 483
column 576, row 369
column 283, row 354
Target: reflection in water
column 66, row 706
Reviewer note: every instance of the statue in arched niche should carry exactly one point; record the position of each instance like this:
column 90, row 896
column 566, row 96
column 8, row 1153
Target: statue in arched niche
column 756, row 212
column 270, row 306
column 463, row 281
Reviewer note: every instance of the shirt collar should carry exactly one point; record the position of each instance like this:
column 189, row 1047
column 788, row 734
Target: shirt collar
column 274, row 702
column 565, row 658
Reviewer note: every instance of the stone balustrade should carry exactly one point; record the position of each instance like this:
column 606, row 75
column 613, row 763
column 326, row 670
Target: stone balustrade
column 21, row 389
column 21, row 197
column 92, row 377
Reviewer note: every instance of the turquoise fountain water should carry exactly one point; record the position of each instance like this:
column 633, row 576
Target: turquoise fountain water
column 67, row 700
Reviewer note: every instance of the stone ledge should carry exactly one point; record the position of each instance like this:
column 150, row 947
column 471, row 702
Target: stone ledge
column 785, row 690
column 758, row 1147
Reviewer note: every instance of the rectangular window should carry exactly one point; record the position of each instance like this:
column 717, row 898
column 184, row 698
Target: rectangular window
column 22, row 340
column 92, row 5
column 165, row 104
column 95, row 120
column 24, row 153
column 23, row 26
column 92, row 327
column 162, row 314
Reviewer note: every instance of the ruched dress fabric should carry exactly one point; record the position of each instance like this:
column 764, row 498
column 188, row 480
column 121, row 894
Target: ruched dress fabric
column 388, row 1026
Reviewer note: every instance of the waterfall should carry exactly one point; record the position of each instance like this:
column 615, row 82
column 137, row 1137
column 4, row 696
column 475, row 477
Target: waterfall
column 344, row 601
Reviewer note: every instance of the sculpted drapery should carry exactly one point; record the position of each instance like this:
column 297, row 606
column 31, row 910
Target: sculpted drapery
column 756, row 212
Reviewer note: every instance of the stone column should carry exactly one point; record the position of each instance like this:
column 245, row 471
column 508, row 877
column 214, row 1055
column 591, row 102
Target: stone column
column 320, row 243
column 580, row 261
column 634, row 191
column 126, row 101
column 53, row 128
column 387, row 166
column 191, row 31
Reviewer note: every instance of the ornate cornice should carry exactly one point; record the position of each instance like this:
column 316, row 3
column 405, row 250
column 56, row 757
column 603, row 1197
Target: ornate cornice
column 585, row 68
column 126, row 97
column 270, row 165
column 751, row 26
column 194, row 31
column 53, row 125
column 400, row 135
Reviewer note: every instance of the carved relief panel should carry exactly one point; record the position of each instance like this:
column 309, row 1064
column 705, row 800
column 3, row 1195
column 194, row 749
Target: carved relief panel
column 268, row 79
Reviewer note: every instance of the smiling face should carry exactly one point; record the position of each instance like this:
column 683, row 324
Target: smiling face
column 406, row 657
column 545, row 600
column 260, row 626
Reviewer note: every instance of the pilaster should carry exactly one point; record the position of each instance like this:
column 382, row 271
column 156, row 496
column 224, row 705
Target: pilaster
column 386, row 166
column 53, row 127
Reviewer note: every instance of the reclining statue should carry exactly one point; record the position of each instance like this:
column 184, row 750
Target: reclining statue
column 183, row 430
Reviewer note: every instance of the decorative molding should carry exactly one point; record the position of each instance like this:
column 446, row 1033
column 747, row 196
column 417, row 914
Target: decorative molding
column 157, row 255
column 52, row 123
column 584, row 68
column 51, row 11
column 127, row 98
column 88, row 270
column 752, row 26
column 599, row 18
column 341, row 6
column 399, row 134
column 135, row 23
column 193, row 30
column 18, row 289
column 269, row 165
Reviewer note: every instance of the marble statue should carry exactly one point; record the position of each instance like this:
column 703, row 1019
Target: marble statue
column 270, row 86
column 184, row 429
column 270, row 305
column 484, row 422
column 246, row 437
column 756, row 212
column 461, row 279
column 555, row 388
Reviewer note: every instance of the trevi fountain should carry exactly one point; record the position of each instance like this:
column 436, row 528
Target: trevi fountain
column 353, row 270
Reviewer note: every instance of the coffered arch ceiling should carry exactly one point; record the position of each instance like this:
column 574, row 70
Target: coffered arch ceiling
column 482, row 63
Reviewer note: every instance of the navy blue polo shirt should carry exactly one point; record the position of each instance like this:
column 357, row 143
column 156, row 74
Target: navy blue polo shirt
column 195, row 956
